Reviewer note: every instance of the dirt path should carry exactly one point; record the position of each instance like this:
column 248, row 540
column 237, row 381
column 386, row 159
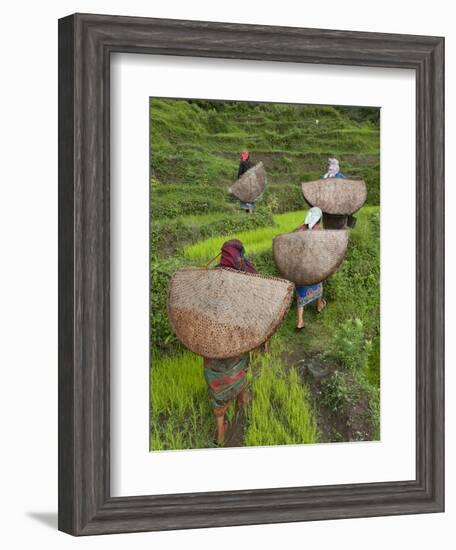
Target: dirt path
column 235, row 433
column 350, row 419
column 347, row 420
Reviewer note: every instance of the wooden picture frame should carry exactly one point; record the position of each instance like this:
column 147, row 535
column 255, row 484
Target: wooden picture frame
column 85, row 45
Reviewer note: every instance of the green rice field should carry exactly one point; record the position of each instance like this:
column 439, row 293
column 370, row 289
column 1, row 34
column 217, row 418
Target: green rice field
column 194, row 158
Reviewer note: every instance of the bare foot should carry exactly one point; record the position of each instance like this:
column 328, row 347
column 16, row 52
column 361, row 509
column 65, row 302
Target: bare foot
column 220, row 432
column 321, row 305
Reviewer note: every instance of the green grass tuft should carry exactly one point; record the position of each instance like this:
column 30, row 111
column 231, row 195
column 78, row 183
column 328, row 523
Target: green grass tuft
column 181, row 417
column 280, row 412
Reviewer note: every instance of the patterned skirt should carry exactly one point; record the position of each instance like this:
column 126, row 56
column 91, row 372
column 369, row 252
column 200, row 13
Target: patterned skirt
column 308, row 293
column 225, row 379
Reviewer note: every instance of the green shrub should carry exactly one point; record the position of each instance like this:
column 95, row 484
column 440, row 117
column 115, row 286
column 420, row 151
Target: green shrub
column 354, row 290
column 284, row 197
column 334, row 392
column 160, row 330
column 373, row 373
column 352, row 348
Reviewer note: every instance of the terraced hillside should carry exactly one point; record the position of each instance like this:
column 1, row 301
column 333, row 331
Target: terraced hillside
column 320, row 385
column 197, row 144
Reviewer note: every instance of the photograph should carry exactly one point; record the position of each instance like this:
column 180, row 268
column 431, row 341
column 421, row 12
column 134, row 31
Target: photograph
column 208, row 210
column 264, row 274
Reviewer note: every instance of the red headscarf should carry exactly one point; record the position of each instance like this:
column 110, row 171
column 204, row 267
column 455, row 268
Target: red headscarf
column 245, row 155
column 233, row 257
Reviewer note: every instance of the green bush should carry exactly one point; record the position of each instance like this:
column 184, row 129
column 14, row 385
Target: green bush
column 284, row 197
column 334, row 392
column 352, row 348
column 354, row 290
column 160, row 330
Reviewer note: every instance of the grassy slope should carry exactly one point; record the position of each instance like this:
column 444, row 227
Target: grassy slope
column 195, row 149
column 281, row 411
column 197, row 144
column 255, row 241
column 181, row 417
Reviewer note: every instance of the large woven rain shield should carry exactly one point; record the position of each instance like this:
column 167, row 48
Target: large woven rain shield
column 309, row 257
column 335, row 195
column 220, row 313
column 250, row 185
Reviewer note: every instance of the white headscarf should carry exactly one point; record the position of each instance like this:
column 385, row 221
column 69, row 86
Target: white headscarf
column 313, row 216
column 333, row 168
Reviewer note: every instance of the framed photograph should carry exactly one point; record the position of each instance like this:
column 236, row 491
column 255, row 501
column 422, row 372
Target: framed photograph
column 251, row 274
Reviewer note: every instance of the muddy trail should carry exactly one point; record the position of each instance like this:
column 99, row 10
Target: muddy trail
column 342, row 415
column 235, row 434
column 340, row 403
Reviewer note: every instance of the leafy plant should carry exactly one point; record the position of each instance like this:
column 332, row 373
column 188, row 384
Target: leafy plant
column 334, row 392
column 352, row 349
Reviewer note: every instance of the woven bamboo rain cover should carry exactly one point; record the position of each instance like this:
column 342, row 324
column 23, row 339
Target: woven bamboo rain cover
column 335, row 195
column 309, row 257
column 251, row 184
column 221, row 313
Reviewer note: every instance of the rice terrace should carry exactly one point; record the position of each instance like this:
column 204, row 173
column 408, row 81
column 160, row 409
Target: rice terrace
column 318, row 383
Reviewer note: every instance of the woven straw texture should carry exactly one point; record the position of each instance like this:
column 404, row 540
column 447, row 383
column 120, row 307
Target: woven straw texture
column 335, row 195
column 251, row 184
column 309, row 257
column 220, row 313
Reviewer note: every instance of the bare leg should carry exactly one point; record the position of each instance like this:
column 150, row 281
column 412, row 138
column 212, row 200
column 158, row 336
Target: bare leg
column 221, row 429
column 321, row 304
column 242, row 399
column 300, row 322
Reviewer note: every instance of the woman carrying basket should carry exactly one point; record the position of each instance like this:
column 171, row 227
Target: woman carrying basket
column 306, row 294
column 333, row 171
column 244, row 165
column 226, row 377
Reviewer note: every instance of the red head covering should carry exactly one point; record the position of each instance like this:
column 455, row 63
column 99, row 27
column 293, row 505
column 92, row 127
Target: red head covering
column 233, row 257
column 245, row 155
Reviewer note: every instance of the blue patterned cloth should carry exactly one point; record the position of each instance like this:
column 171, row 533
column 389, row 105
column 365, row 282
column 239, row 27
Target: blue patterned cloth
column 306, row 294
column 338, row 175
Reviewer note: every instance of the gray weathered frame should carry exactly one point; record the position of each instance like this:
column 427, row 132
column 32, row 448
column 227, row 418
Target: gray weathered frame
column 85, row 45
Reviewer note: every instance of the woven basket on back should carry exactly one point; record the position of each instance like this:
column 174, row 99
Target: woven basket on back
column 220, row 313
column 250, row 185
column 335, row 195
column 309, row 257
